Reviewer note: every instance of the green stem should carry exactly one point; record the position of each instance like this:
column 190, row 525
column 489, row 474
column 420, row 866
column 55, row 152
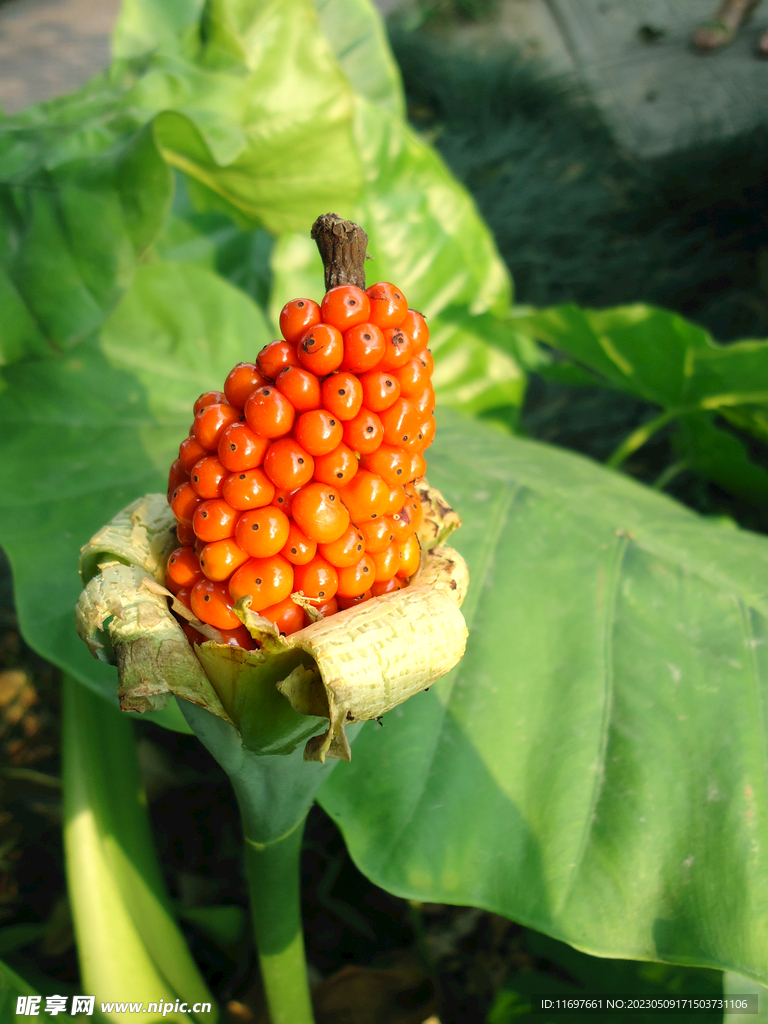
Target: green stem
column 638, row 437
column 669, row 474
column 274, row 887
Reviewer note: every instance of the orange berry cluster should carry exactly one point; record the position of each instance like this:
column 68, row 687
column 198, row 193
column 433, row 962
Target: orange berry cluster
column 299, row 475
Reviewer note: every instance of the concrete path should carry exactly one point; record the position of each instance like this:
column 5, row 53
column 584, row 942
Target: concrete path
column 633, row 56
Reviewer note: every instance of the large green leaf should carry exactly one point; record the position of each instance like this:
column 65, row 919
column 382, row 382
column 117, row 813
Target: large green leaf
column 85, row 433
column 596, row 766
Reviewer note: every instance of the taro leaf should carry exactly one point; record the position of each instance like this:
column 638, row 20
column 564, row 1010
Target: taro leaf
column 719, row 455
column 86, row 433
column 596, row 765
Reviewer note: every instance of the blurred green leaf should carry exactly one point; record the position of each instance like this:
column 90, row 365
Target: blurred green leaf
column 596, row 765
column 719, row 455
column 11, row 987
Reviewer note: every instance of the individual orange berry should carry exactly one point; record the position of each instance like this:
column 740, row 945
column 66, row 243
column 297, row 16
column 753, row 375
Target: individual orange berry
column 364, row 348
column 348, row 549
column 317, row 578
column 183, row 567
column 190, row 452
column 390, row 463
column 298, row 548
column 397, row 349
column 211, row 602
column 427, row 430
column 250, row 489
column 177, row 475
column 377, row 534
column 243, row 379
column 364, row 433
column 239, row 637
column 425, row 402
column 319, row 512
column 207, row 477
column 415, row 326
column 387, row 586
column 262, row 532
column 418, row 466
column 386, row 562
column 325, row 608
column 355, row 579
column 269, row 413
column 240, row 448
column 400, row 422
column 413, row 501
column 396, row 500
column 410, row 557
column 287, row 464
column 296, row 316
column 212, row 421
column 342, row 395
column 283, row 500
column 318, row 431
column 380, row 389
column 220, row 558
column 286, row 615
column 193, row 635
column 214, row 520
column 300, row 387
column 337, row 467
column 321, row 349
column 184, row 502
column 366, row 497
column 185, row 534
column 414, row 376
column 208, row 398
column 426, row 355
column 274, row 357
column 353, row 602
column 266, row 580
column 388, row 305
column 182, row 594
column 345, row 306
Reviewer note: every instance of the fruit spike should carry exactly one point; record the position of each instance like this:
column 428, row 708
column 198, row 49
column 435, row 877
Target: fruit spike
column 297, row 477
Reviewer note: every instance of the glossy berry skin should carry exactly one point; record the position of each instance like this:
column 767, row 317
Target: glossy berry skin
column 184, row 502
column 250, row 489
column 390, row 463
column 377, row 534
column 240, row 448
column 269, row 413
column 366, row 497
column 397, row 349
column 345, row 306
column 214, row 520
column 317, row 578
column 388, row 305
column 364, row 348
column 177, row 475
column 364, row 433
column 287, row 464
column 415, row 326
column 183, row 568
column 410, row 557
column 427, row 429
column 337, row 467
column 400, row 422
column 300, row 387
column 192, row 634
column 211, row 602
column 386, row 587
column 381, row 390
column 267, row 581
column 239, row 637
column 396, row 500
column 185, row 534
column 242, row 380
column 283, row 500
column 318, row 431
column 208, row 476
column 348, row 549
column 190, row 452
column 220, row 558
column 298, row 548
column 414, row 376
column 211, row 421
column 387, row 562
column 296, row 317
column 325, row 608
column 274, row 357
column 321, row 349
column 342, row 396
column 426, row 355
column 353, row 602
column 262, row 532
column 183, row 594
column 319, row 513
column 355, row 579
column 286, row 615
column 418, row 466
column 208, row 398
column 425, row 402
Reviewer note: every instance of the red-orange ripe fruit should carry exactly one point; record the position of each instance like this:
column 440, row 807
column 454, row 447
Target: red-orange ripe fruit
column 287, row 464
column 321, row 349
column 207, row 477
column 240, row 448
column 266, row 580
column 410, row 556
column 220, row 558
column 415, row 326
column 211, row 421
column 262, row 532
column 364, row 433
column 388, row 305
column 250, row 489
column 355, row 579
column 269, row 413
column 348, row 549
column 342, row 395
column 211, row 602
column 345, row 306
column 337, row 467
column 286, row 615
column 300, row 387
column 317, row 578
column 319, row 512
column 364, row 348
column 318, row 431
column 366, row 497
column 296, row 316
column 241, row 382
column 214, row 520
column 298, row 548
column 274, row 357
